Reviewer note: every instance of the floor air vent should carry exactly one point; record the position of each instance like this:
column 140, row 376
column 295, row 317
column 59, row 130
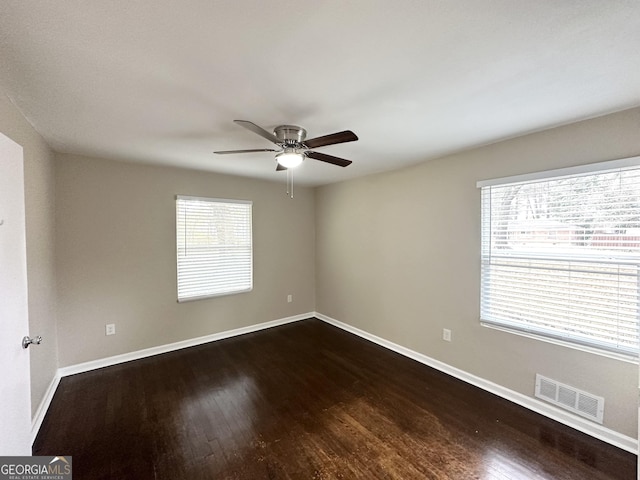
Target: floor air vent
column 570, row 398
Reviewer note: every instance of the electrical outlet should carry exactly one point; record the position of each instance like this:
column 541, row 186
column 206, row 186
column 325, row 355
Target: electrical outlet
column 110, row 329
column 446, row 334
column 289, row 298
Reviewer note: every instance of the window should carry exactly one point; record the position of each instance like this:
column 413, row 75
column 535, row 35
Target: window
column 214, row 247
column 561, row 254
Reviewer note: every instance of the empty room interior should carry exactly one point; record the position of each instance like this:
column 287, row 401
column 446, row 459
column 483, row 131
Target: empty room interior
column 291, row 240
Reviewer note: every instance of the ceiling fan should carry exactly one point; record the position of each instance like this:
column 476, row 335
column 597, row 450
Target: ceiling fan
column 294, row 146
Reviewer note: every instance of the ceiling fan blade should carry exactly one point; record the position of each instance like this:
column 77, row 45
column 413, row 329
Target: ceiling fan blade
column 226, row 152
column 323, row 157
column 340, row 137
column 257, row 129
column 280, row 167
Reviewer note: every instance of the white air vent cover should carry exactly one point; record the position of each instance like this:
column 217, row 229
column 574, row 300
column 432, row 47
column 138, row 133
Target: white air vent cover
column 570, row 398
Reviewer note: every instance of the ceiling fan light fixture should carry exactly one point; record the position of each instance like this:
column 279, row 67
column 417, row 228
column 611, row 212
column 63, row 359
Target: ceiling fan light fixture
column 289, row 158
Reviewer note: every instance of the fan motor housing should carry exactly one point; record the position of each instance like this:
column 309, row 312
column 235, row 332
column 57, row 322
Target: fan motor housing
column 290, row 134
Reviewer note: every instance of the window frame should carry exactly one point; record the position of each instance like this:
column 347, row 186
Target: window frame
column 539, row 333
column 244, row 288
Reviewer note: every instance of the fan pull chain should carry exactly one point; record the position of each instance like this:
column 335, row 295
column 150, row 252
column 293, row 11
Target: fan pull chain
column 290, row 182
column 287, row 174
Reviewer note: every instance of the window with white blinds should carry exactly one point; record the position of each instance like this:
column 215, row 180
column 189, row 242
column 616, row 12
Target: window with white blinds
column 561, row 255
column 214, row 247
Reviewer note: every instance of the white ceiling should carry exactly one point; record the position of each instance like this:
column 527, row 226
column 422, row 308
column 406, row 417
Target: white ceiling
column 160, row 81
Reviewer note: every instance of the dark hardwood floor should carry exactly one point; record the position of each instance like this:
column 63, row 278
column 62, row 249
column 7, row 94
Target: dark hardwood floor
column 305, row 401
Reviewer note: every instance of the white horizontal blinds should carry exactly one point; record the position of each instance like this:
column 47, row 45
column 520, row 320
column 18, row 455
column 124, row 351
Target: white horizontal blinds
column 561, row 256
column 214, row 247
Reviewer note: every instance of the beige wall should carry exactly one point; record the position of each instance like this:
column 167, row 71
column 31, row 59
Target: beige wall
column 116, row 260
column 39, row 205
column 398, row 255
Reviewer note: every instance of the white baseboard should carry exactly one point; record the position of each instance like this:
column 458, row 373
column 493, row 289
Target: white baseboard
column 36, row 421
column 598, row 431
column 192, row 342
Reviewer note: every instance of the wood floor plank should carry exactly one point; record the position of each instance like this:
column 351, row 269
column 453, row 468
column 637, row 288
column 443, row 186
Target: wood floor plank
column 306, row 401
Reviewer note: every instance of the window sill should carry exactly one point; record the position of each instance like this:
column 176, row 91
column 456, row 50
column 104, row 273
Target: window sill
column 583, row 348
column 214, row 295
